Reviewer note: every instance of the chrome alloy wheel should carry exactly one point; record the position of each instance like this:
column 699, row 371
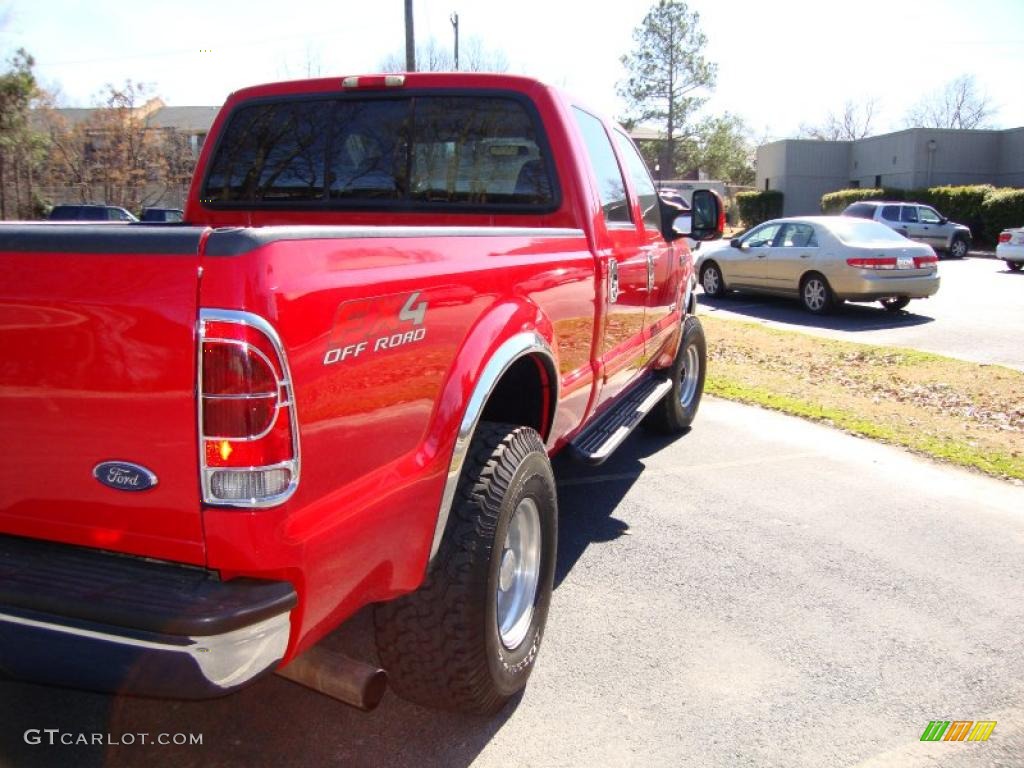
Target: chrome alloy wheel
column 691, row 376
column 709, row 281
column 814, row 294
column 519, row 574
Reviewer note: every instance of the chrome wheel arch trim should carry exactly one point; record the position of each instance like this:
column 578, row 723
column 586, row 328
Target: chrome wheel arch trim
column 518, row 346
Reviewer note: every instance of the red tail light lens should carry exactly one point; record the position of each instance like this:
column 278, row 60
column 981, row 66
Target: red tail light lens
column 873, row 263
column 924, row 261
column 240, row 390
column 248, row 429
column 1004, row 237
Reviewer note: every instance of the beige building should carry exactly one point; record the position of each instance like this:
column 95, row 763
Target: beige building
column 805, row 169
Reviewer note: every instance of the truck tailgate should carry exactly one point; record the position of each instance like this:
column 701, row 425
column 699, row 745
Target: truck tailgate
column 98, row 365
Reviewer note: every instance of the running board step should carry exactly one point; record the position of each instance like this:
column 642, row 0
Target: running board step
column 601, row 438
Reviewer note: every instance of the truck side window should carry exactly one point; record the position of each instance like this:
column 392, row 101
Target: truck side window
column 271, row 153
column 611, row 188
column 642, row 182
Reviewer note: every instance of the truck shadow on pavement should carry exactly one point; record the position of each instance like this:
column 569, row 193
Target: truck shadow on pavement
column 846, row 317
column 588, row 497
column 277, row 723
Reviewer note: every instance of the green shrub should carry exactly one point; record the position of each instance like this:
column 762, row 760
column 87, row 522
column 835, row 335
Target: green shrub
column 756, row 207
column 836, row 202
column 1002, row 209
column 982, row 207
column 963, row 205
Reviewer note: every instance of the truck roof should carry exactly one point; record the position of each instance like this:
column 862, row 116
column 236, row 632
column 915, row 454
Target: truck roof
column 402, row 80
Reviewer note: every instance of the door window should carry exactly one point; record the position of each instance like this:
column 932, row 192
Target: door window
column 762, row 236
column 611, row 188
column 798, row 236
column 891, row 212
column 642, row 183
column 928, row 215
column 909, row 214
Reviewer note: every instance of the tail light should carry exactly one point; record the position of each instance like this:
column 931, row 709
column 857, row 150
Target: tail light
column 891, row 262
column 373, row 81
column 1004, row 237
column 880, row 262
column 248, row 431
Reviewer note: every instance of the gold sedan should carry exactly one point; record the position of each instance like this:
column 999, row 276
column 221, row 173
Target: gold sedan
column 822, row 260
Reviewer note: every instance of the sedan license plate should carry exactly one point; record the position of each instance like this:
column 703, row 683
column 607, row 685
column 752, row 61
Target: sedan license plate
column 904, row 262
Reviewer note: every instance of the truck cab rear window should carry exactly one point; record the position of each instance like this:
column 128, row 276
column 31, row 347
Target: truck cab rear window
column 464, row 152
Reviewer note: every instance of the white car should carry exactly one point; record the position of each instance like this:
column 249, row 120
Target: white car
column 1011, row 248
column 822, row 260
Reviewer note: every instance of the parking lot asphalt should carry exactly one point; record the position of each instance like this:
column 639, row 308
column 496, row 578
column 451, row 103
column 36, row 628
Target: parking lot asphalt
column 762, row 591
column 977, row 315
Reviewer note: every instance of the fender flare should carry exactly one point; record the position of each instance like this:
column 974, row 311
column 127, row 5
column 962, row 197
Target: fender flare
column 511, row 350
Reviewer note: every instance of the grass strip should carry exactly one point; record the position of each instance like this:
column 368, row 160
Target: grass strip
column 964, row 413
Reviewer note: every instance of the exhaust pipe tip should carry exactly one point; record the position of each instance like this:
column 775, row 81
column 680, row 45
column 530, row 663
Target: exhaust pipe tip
column 338, row 676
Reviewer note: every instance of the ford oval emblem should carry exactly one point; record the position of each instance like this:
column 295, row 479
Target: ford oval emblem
column 124, row 476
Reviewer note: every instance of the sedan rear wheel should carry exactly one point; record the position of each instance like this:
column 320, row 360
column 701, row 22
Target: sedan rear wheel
column 816, row 295
column 1015, row 266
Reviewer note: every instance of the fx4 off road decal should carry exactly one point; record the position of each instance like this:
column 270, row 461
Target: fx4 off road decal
column 369, row 326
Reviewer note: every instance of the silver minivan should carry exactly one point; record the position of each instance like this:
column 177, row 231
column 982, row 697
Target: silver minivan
column 917, row 222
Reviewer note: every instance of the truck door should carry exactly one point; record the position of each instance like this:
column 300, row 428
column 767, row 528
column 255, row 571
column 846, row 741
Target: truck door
column 624, row 261
column 664, row 262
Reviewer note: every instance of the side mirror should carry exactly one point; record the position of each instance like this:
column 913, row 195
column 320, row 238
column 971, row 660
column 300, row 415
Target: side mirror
column 671, row 213
column 682, row 224
column 705, row 220
column 734, row 243
column 708, row 215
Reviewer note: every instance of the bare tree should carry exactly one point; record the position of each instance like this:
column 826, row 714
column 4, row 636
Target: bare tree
column 475, row 58
column 854, row 122
column 434, row 57
column 958, row 104
column 310, row 66
column 116, row 155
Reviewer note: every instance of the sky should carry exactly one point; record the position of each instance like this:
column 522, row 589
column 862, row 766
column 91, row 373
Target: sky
column 780, row 64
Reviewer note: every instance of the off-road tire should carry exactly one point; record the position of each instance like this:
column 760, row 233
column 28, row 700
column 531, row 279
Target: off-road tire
column 441, row 645
column 677, row 410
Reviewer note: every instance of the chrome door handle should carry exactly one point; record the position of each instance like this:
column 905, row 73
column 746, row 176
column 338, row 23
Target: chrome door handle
column 805, row 255
column 613, row 281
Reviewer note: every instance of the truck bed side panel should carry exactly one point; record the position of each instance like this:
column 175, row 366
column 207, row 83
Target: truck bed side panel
column 378, row 418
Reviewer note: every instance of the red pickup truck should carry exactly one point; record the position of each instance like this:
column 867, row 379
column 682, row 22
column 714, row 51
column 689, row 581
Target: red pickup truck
column 338, row 383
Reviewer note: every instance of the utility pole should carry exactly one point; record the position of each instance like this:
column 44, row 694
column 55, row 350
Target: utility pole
column 410, row 39
column 455, row 25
